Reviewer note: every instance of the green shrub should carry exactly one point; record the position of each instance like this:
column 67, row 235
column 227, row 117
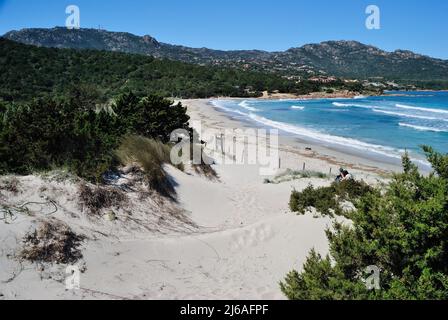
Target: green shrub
column 46, row 134
column 327, row 200
column 402, row 231
column 74, row 133
column 151, row 116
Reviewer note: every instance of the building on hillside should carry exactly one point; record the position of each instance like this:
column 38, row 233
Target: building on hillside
column 322, row 79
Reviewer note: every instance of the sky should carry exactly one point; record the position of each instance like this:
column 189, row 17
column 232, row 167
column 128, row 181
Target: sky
column 417, row 25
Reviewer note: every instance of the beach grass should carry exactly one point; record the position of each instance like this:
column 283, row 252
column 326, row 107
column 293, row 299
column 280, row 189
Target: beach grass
column 291, row 175
column 151, row 155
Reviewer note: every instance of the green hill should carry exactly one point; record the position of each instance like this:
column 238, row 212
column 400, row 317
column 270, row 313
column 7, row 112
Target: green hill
column 338, row 58
column 31, row 72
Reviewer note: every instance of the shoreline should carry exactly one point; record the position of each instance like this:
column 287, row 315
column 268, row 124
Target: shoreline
column 345, row 94
column 313, row 154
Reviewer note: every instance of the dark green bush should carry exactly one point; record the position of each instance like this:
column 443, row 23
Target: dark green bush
column 402, row 231
column 73, row 133
column 327, row 200
column 46, row 134
column 151, row 116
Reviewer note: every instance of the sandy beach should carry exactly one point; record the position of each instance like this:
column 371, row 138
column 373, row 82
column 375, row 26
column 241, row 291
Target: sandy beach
column 234, row 239
column 293, row 150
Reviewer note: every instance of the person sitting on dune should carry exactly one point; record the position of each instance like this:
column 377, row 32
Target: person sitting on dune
column 344, row 175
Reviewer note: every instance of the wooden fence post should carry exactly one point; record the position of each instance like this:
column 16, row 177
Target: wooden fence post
column 234, row 148
column 222, row 143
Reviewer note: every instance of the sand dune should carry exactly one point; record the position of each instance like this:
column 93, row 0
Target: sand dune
column 235, row 238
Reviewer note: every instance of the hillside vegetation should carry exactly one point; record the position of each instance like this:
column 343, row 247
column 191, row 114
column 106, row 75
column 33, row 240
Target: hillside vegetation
column 338, row 58
column 31, row 72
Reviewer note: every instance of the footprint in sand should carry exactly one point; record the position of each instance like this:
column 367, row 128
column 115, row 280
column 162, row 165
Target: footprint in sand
column 252, row 237
column 247, row 201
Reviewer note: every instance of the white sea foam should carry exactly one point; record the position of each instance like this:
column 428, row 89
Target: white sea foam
column 422, row 128
column 338, row 104
column 298, row 108
column 216, row 104
column 345, row 105
column 245, row 105
column 403, row 106
column 407, row 115
column 323, row 137
column 337, row 110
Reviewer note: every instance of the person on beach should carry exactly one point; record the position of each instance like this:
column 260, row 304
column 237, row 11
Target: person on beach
column 343, row 175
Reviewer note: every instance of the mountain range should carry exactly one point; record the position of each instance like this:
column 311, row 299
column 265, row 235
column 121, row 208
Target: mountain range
column 348, row 59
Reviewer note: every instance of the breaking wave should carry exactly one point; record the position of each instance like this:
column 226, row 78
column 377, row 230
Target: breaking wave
column 346, row 142
column 345, row 105
column 216, row 104
column 422, row 128
column 403, row 106
column 406, row 115
column 245, row 105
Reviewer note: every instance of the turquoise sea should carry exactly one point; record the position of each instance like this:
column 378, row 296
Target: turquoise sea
column 381, row 126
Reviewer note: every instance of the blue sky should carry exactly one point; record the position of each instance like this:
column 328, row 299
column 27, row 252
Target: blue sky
column 417, row 25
